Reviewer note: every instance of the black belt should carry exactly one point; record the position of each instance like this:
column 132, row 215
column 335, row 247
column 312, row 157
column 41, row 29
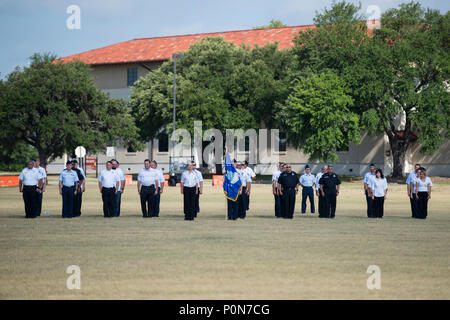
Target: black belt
column 152, row 186
column 68, row 186
column 288, row 188
column 307, row 187
column 108, row 188
column 30, row 186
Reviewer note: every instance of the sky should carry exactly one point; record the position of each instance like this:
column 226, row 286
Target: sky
column 29, row 26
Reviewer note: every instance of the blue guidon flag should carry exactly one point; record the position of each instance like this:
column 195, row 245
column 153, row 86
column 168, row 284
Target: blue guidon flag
column 231, row 183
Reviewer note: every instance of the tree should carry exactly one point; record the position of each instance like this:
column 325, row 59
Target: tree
column 56, row 106
column 399, row 71
column 218, row 83
column 272, row 24
column 15, row 159
column 318, row 116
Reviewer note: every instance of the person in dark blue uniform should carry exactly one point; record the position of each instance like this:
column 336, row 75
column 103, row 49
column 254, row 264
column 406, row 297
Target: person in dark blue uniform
column 329, row 188
column 68, row 185
column 288, row 189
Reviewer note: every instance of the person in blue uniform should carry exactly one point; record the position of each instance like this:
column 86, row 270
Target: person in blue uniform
column 30, row 184
column 68, row 184
column 367, row 182
column 307, row 181
column 288, row 189
column 160, row 190
column 245, row 191
column 329, row 187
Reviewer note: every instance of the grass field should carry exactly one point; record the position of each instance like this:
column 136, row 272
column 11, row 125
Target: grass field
column 211, row 258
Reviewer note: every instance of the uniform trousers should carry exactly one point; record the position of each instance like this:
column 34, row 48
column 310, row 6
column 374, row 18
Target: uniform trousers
column 77, row 200
column 157, row 201
column 370, row 205
column 197, row 204
column 242, row 204
column 109, row 201
column 118, row 201
column 147, row 195
column 308, row 192
column 422, row 205
column 414, row 205
column 30, row 198
column 277, row 206
column 378, row 207
column 67, row 199
column 330, row 204
column 233, row 209
column 39, row 204
column 322, row 206
column 288, row 198
column 189, row 203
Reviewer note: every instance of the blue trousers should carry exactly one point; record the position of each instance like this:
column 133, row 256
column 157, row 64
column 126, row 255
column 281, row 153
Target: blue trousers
column 233, row 209
column 277, row 206
column 370, row 206
column 242, row 204
column 67, row 198
column 157, row 199
column 308, row 192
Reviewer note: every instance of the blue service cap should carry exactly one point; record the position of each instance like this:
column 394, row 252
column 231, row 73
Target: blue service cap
column 74, row 161
column 372, row 165
column 307, row 166
column 68, row 162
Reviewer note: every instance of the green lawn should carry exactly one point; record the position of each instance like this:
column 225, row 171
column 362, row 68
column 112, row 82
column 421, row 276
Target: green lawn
column 211, row 258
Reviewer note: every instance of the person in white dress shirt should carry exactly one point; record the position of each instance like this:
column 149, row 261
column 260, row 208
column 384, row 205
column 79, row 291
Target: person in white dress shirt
column 161, row 179
column 423, row 193
column 307, row 182
column 276, row 196
column 378, row 189
column 147, row 185
column 189, row 188
column 122, row 179
column 200, row 188
column 367, row 181
column 108, row 184
column 322, row 203
column 37, row 165
column 30, row 184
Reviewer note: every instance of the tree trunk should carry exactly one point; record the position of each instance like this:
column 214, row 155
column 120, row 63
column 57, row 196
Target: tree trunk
column 43, row 157
column 399, row 147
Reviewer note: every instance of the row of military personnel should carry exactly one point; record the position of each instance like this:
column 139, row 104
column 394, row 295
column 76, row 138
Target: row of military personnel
column 150, row 186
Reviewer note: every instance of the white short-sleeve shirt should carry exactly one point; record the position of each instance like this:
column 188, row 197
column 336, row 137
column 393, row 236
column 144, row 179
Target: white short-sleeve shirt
column 275, row 177
column 120, row 176
column 108, row 178
column 148, row 177
column 30, row 177
column 318, row 176
column 423, row 185
column 378, row 186
column 189, row 179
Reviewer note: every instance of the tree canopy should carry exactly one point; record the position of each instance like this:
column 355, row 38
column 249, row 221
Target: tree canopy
column 56, row 106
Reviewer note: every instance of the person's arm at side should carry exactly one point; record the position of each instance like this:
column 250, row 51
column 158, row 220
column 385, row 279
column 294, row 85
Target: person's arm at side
column 60, row 187
column 156, row 186
column 296, row 187
column 181, row 187
column 100, row 185
column 429, row 191
column 117, row 186
column 161, row 186
column 201, row 187
column 248, row 187
column 39, row 188
column 122, row 185
column 139, row 187
column 408, row 190
column 274, row 191
column 417, row 190
column 83, row 185
column 20, row 186
column 338, row 187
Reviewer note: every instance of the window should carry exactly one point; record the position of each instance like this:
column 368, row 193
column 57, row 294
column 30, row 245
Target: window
column 132, row 76
column 163, row 143
column 282, row 142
